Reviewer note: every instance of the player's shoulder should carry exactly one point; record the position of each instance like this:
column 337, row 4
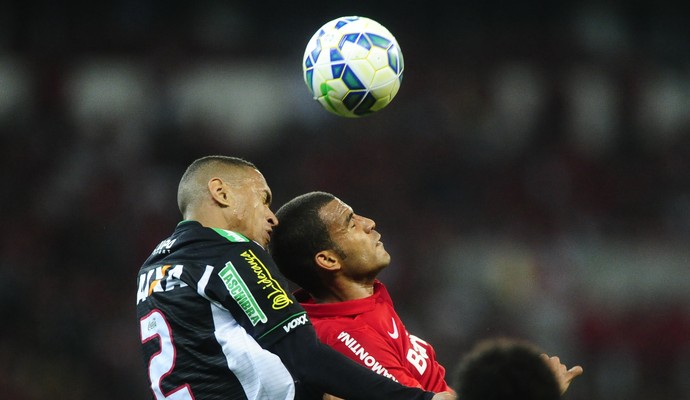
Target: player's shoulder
column 341, row 330
column 193, row 234
column 356, row 317
column 192, row 243
column 231, row 236
column 193, row 230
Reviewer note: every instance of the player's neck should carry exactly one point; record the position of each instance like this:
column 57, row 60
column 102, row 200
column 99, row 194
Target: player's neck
column 345, row 290
column 210, row 218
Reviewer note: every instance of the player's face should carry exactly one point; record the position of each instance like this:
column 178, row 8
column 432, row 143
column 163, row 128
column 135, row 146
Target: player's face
column 251, row 213
column 357, row 238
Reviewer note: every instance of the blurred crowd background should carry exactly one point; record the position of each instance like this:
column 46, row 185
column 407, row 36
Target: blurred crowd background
column 531, row 179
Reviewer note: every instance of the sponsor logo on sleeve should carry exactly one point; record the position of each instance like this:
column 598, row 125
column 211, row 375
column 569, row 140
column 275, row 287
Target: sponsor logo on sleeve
column 364, row 357
column 278, row 296
column 241, row 293
column 301, row 320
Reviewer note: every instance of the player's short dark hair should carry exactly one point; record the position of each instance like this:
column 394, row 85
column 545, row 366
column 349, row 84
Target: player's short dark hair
column 299, row 235
column 505, row 369
column 190, row 186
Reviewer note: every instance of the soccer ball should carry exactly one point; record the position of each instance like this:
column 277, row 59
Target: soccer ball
column 353, row 66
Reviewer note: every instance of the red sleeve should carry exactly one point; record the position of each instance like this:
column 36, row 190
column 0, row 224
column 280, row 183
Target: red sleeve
column 367, row 347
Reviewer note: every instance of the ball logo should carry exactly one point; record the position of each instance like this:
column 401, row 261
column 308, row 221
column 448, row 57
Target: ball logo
column 353, row 66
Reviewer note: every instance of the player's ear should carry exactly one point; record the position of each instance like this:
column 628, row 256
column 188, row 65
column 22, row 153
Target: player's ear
column 219, row 191
column 327, row 259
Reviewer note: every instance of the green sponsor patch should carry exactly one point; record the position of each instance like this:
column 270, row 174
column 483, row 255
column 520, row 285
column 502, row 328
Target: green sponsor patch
column 240, row 292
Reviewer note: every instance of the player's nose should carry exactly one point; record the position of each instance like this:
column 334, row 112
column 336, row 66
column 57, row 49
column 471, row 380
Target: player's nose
column 369, row 224
column 272, row 219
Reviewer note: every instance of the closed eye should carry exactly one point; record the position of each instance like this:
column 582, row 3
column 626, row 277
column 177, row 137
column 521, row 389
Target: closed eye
column 350, row 221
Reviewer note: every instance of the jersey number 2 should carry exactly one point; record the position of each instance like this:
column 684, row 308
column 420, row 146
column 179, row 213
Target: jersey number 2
column 162, row 362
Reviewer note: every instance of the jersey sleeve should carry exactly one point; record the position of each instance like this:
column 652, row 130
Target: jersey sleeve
column 319, row 369
column 368, row 348
column 247, row 283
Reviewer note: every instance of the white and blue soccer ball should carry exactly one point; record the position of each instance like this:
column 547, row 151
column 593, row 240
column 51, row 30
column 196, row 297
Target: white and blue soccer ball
column 353, row 66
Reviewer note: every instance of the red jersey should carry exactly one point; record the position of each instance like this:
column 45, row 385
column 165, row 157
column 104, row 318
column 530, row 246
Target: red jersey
column 370, row 332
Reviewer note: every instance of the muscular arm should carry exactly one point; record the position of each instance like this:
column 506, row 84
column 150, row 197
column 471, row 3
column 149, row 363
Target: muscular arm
column 319, row 369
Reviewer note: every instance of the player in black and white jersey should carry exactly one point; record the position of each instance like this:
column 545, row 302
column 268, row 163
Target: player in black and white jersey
column 215, row 319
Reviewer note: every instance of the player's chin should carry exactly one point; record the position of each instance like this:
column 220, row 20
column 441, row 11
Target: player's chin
column 384, row 254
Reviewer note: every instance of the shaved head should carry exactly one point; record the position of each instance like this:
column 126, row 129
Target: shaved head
column 193, row 185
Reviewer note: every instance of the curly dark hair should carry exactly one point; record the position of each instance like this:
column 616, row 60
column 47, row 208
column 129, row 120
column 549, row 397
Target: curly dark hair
column 300, row 234
column 505, row 369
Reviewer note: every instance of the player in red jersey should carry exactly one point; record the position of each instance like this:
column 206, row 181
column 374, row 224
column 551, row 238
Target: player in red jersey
column 335, row 256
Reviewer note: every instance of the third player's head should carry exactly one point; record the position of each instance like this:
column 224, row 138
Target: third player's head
column 320, row 239
column 502, row 369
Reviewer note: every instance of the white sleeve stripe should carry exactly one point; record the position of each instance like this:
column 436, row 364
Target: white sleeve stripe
column 260, row 372
column 201, row 286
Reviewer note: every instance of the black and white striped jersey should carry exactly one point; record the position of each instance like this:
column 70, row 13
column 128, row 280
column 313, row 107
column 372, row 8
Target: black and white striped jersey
column 209, row 301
